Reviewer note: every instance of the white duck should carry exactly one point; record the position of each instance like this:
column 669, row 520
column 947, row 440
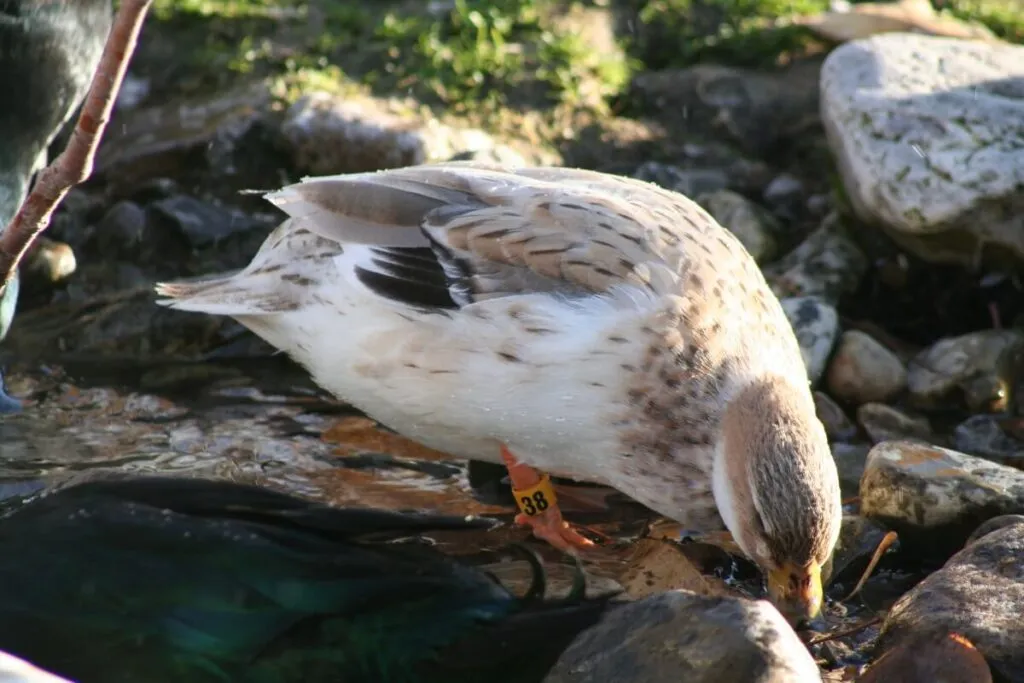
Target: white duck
column 558, row 319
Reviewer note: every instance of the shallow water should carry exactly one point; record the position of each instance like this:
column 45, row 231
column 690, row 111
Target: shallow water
column 261, row 421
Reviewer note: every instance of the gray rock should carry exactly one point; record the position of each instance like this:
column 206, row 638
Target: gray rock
column 681, row 636
column 691, row 182
column 934, row 494
column 783, row 188
column 126, row 232
column 758, row 109
column 994, row 524
column 928, row 134
column 864, row 371
column 201, row 223
column 850, row 461
column 826, row 265
column 164, row 139
column 978, row 595
column 885, row 423
column 982, row 435
column 328, row 134
column 961, row 370
column 837, row 424
column 753, row 226
column 816, row 324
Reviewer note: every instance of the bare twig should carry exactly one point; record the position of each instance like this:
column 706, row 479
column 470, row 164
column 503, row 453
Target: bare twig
column 75, row 163
column 883, row 545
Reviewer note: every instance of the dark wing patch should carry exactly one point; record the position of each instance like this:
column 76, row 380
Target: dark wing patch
column 411, row 276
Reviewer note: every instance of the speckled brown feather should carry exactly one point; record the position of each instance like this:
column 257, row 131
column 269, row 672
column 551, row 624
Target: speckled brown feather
column 710, row 325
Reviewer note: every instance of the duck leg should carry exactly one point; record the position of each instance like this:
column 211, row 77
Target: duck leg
column 539, row 507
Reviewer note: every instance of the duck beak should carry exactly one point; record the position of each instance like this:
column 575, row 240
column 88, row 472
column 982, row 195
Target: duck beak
column 796, row 591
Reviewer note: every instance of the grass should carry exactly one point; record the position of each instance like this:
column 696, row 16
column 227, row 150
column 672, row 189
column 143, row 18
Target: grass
column 679, row 33
column 473, row 55
column 1004, row 17
column 482, row 57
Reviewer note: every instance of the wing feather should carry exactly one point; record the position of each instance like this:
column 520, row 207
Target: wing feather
column 490, row 232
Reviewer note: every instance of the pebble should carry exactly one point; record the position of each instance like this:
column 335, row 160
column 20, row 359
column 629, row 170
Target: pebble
column 681, row 636
column 884, row 423
column 838, row 425
column 784, row 188
column 816, row 325
column 978, row 596
column 935, row 496
column 927, row 136
column 50, row 260
column 963, row 370
column 752, row 225
column 864, row 371
column 826, row 265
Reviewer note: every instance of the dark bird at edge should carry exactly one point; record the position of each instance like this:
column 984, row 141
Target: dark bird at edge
column 177, row 579
column 49, row 50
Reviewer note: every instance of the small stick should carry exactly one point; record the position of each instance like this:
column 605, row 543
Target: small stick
column 883, row 545
column 75, row 163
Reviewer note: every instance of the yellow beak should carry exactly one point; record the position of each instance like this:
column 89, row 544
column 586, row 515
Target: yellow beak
column 796, row 591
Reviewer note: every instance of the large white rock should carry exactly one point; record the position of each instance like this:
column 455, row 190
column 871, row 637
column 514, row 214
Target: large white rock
column 928, row 134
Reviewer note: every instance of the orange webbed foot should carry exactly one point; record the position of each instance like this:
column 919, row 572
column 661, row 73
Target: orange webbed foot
column 538, row 507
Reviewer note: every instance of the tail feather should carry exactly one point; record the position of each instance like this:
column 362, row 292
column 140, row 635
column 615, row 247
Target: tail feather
column 235, row 295
column 276, row 280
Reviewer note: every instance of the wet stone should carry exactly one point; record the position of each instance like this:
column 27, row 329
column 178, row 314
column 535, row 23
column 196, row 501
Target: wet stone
column 752, row 225
column 816, row 325
column 978, row 595
column 886, row 423
column 935, row 495
column 864, row 371
column 962, row 371
column 680, row 636
column 982, row 435
column 826, row 265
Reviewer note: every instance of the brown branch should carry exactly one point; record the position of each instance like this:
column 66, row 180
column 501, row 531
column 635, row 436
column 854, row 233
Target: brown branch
column 75, row 163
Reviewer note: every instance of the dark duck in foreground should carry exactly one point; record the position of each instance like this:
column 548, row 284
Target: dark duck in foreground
column 49, row 50
column 173, row 579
